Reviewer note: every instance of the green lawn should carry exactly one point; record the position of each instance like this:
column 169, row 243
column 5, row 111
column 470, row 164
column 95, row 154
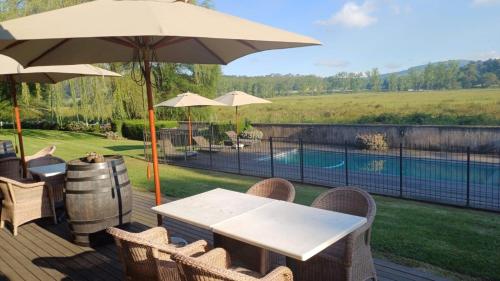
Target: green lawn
column 457, row 240
column 476, row 107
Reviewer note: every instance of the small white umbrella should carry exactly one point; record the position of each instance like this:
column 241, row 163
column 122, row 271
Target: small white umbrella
column 13, row 72
column 238, row 98
column 189, row 100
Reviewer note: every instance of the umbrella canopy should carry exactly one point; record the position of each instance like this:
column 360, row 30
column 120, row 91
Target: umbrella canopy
column 13, row 72
column 10, row 68
column 107, row 31
column 238, row 98
column 189, row 100
column 143, row 31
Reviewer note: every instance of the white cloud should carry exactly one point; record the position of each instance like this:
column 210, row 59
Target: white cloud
column 332, row 63
column 353, row 15
column 485, row 2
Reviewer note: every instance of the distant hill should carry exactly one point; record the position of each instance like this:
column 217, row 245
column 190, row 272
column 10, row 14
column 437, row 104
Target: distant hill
column 420, row 68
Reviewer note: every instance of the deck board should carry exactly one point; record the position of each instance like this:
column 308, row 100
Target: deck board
column 43, row 251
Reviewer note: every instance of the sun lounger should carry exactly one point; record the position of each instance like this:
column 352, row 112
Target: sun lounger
column 204, row 145
column 234, row 139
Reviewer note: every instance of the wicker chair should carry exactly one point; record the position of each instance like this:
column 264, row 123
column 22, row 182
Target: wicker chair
column 279, row 189
column 25, row 201
column 138, row 250
column 48, row 151
column 56, row 182
column 351, row 257
column 10, row 167
column 216, row 266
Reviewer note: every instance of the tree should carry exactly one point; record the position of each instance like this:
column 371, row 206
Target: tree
column 393, row 83
column 374, row 78
column 489, row 79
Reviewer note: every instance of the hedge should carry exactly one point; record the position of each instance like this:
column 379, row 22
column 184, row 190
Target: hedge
column 133, row 129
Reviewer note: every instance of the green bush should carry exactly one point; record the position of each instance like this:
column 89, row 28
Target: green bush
column 76, row 126
column 252, row 134
column 133, row 129
column 372, row 142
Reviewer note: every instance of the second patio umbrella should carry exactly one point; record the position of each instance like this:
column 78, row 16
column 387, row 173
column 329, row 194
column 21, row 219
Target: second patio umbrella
column 139, row 31
column 189, row 100
column 12, row 72
column 238, row 98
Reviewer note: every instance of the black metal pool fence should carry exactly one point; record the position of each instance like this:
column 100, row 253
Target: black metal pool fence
column 454, row 176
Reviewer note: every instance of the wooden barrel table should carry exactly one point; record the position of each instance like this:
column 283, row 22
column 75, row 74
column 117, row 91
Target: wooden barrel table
column 98, row 196
column 7, row 149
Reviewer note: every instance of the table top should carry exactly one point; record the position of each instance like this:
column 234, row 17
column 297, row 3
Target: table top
column 49, row 170
column 209, row 208
column 296, row 231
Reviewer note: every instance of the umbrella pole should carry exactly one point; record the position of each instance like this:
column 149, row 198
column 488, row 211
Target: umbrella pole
column 237, row 129
column 190, row 128
column 152, row 128
column 19, row 131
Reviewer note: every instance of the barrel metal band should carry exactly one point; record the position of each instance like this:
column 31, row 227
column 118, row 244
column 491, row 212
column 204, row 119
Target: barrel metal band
column 100, row 190
column 96, row 166
column 99, row 220
column 96, row 178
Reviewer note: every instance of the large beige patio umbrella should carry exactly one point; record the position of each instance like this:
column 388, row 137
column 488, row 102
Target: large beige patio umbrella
column 237, row 99
column 140, row 31
column 189, row 100
column 13, row 72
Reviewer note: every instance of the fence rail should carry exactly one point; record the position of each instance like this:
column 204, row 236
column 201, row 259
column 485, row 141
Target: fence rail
column 452, row 176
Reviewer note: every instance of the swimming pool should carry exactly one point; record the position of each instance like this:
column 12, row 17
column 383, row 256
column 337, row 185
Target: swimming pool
column 481, row 173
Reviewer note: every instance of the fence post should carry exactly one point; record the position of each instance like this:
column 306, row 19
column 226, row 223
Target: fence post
column 210, row 140
column 272, row 156
column 239, row 159
column 346, row 164
column 301, row 148
column 468, row 176
column 401, row 169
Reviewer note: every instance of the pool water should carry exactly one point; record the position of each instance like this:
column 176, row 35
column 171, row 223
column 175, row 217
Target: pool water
column 416, row 167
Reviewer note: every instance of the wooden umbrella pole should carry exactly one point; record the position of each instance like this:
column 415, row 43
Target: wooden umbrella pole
column 152, row 129
column 190, row 128
column 19, row 131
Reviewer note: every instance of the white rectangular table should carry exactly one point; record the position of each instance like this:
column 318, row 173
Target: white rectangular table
column 293, row 230
column 49, row 170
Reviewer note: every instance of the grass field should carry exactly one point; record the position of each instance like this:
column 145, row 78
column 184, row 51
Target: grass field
column 456, row 240
column 468, row 107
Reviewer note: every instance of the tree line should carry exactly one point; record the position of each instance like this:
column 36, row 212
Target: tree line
column 434, row 76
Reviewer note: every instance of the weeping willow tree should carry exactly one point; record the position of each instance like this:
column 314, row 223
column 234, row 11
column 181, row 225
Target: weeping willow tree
column 98, row 100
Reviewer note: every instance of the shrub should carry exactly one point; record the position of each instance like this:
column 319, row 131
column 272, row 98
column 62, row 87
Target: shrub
column 40, row 125
column 252, row 134
column 76, row 126
column 112, row 135
column 116, row 126
column 219, row 131
column 372, row 142
column 134, row 129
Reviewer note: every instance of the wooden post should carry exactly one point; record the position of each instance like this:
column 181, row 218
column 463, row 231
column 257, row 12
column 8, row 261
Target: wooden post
column 152, row 128
column 19, row 131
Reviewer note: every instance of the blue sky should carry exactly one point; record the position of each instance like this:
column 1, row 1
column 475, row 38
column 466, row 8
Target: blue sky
column 359, row 35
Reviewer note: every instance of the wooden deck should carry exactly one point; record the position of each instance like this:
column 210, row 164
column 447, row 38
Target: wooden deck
column 43, row 251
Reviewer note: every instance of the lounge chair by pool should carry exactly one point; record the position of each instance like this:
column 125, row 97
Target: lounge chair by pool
column 172, row 153
column 204, row 145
